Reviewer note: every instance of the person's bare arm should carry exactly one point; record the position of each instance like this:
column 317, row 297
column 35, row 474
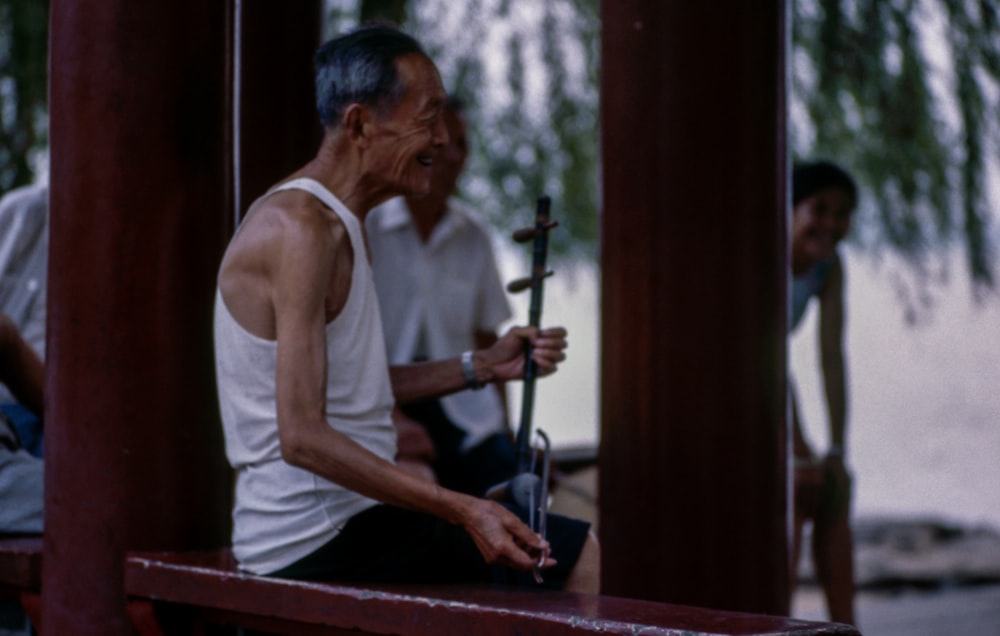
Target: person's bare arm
column 485, row 340
column 302, row 269
column 800, row 446
column 831, row 343
column 501, row 362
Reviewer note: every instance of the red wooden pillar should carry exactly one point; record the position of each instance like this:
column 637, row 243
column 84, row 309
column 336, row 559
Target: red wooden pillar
column 693, row 466
column 141, row 182
column 279, row 129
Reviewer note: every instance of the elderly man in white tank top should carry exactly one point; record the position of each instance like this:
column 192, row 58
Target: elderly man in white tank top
column 305, row 389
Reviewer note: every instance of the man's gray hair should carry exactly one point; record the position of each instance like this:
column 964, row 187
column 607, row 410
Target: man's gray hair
column 360, row 68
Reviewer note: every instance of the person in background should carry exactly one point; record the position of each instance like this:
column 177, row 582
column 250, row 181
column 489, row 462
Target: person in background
column 440, row 294
column 24, row 246
column 824, row 197
column 305, row 390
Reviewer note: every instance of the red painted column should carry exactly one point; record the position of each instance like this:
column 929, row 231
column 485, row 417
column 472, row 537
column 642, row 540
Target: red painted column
column 693, row 465
column 141, row 182
column 278, row 124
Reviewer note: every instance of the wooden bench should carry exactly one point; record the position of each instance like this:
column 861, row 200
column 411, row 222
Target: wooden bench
column 184, row 592
column 21, row 573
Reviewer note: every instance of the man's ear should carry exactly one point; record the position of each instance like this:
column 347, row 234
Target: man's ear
column 357, row 123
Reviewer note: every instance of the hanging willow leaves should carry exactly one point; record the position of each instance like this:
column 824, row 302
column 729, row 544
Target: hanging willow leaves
column 23, row 85
column 901, row 92
column 527, row 73
column 391, row 11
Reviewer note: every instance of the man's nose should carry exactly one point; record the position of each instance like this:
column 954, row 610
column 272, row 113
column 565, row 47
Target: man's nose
column 452, row 152
column 440, row 137
column 827, row 220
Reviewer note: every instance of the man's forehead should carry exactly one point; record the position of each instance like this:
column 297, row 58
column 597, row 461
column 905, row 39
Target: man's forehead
column 422, row 80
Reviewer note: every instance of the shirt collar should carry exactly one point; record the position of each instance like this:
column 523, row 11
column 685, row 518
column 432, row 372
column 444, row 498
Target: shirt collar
column 393, row 215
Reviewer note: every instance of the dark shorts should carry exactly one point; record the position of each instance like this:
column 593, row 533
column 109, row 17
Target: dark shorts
column 823, row 500
column 385, row 544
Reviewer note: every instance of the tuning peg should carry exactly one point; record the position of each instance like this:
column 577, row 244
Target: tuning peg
column 525, row 234
column 520, row 284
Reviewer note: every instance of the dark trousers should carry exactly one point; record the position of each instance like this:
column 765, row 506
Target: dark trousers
column 474, row 471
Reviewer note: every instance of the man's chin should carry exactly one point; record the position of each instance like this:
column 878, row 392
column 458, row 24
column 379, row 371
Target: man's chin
column 414, row 184
column 418, row 192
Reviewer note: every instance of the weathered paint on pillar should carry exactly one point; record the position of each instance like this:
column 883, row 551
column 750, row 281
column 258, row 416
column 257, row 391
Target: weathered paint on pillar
column 140, row 173
column 279, row 127
column 693, row 468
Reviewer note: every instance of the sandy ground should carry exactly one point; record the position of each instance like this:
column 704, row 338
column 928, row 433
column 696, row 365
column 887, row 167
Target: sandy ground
column 959, row 611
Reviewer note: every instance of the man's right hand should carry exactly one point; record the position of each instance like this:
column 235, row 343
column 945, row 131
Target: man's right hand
column 502, row 538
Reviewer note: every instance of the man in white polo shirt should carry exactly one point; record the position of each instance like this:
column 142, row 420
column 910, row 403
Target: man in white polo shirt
column 440, row 294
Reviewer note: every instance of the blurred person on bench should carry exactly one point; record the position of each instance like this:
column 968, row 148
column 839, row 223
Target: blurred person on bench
column 305, row 389
column 440, row 294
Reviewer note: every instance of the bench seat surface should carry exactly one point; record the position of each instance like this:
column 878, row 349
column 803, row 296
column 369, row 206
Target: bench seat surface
column 211, row 580
column 21, row 562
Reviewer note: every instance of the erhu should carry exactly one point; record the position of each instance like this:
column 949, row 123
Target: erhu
column 528, row 488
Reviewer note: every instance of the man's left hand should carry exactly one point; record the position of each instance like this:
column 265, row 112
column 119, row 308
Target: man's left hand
column 506, row 357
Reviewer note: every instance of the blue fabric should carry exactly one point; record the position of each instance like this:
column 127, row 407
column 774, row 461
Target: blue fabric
column 804, row 288
column 28, row 427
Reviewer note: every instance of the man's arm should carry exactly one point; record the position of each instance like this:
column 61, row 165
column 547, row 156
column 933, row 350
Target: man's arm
column 800, row 447
column 21, row 369
column 485, row 340
column 501, row 362
column 831, row 333
column 302, row 267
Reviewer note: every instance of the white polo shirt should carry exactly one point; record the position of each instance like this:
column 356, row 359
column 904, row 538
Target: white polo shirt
column 24, row 252
column 434, row 296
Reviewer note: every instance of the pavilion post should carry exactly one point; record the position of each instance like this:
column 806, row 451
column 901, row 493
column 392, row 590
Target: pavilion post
column 279, row 130
column 693, row 460
column 140, row 185
column 154, row 145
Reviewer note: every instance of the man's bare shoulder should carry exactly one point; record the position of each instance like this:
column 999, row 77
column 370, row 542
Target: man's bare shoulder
column 285, row 238
column 290, row 214
column 287, row 223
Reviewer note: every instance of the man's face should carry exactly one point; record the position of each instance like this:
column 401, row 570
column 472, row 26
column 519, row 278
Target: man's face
column 409, row 139
column 821, row 221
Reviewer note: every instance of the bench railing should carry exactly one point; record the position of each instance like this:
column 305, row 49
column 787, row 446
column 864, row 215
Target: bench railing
column 21, row 573
column 184, row 592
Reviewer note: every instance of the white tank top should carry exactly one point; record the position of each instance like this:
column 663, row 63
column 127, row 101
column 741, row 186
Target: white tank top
column 282, row 513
